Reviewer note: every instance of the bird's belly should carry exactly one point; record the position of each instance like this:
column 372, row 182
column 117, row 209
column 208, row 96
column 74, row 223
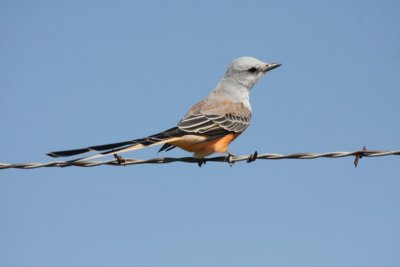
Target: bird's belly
column 201, row 147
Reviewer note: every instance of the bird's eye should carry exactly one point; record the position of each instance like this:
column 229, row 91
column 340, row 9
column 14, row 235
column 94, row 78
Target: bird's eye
column 252, row 70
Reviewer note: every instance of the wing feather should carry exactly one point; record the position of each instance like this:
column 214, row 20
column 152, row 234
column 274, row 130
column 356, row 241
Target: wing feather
column 204, row 121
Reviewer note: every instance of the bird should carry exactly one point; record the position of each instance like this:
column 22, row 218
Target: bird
column 209, row 126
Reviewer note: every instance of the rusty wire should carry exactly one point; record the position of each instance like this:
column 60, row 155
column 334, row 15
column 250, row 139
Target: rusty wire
column 119, row 161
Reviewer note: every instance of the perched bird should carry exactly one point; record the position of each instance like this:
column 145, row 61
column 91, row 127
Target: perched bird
column 209, row 126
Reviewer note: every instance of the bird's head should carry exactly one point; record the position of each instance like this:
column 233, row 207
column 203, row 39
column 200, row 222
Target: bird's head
column 246, row 71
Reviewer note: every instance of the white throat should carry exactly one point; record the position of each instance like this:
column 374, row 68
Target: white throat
column 230, row 89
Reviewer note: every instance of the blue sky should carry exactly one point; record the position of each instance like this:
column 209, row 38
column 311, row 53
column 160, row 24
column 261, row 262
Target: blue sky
column 82, row 73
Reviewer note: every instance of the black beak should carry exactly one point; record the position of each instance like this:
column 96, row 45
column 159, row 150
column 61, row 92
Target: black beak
column 271, row 66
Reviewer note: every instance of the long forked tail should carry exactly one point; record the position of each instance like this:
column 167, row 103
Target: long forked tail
column 111, row 149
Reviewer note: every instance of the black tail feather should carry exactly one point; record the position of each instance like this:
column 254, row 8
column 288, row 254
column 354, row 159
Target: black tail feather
column 166, row 147
column 173, row 132
column 73, row 152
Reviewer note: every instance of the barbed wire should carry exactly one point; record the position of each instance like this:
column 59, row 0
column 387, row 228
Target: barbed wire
column 231, row 159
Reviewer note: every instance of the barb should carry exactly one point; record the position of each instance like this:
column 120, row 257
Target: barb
column 119, row 161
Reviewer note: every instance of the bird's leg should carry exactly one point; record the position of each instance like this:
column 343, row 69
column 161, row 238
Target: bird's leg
column 120, row 159
column 229, row 158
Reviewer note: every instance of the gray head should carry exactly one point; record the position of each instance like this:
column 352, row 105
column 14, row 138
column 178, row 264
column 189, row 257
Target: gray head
column 246, row 71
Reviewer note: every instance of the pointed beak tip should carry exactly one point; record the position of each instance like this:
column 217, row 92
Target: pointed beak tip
column 272, row 66
column 275, row 65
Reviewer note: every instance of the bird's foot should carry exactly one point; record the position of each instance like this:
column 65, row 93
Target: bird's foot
column 201, row 161
column 121, row 160
column 229, row 158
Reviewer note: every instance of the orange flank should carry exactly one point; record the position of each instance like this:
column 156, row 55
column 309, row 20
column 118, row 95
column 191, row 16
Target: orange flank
column 203, row 148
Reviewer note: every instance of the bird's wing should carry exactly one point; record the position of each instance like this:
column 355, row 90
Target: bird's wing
column 214, row 119
column 206, row 117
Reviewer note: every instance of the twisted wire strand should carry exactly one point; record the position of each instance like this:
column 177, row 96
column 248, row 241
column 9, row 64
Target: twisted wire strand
column 119, row 161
